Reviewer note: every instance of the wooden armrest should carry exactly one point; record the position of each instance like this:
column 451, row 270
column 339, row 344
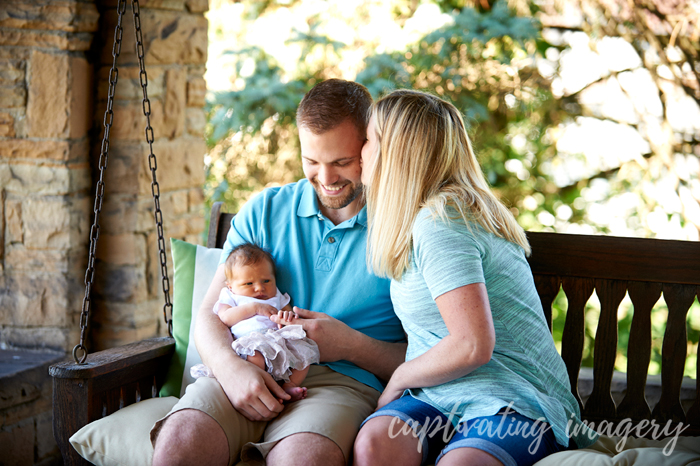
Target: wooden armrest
column 108, row 381
column 114, row 359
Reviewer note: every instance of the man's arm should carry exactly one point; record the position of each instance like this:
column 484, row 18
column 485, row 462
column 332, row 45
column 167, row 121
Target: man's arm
column 337, row 341
column 252, row 391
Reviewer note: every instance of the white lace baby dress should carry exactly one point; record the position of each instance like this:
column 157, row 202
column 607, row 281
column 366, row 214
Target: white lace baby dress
column 284, row 349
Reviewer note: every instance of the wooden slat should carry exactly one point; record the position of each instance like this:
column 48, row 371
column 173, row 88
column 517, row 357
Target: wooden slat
column 601, row 404
column 693, row 414
column 578, row 291
column 610, row 257
column 679, row 298
column 644, row 296
column 548, row 289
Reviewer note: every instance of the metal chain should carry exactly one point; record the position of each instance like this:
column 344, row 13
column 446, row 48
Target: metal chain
column 100, row 188
column 155, row 187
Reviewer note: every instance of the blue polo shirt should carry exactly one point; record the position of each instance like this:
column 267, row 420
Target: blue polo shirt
column 322, row 266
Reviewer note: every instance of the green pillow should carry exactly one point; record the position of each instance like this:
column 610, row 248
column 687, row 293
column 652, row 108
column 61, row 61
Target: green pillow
column 194, row 268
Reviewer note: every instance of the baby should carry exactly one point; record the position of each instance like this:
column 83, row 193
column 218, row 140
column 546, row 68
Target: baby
column 246, row 304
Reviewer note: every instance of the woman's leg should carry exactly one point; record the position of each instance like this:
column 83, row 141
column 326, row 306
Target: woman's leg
column 376, row 443
column 470, row 456
column 405, row 431
column 502, row 439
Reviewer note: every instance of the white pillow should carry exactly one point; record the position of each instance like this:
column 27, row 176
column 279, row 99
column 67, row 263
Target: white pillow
column 122, row 438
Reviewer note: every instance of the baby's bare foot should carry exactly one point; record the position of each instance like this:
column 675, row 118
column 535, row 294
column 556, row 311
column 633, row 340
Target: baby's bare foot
column 296, row 393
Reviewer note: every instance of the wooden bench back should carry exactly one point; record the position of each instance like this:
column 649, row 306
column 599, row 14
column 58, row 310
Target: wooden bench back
column 646, row 269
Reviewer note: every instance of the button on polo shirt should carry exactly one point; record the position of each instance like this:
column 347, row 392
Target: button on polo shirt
column 321, row 265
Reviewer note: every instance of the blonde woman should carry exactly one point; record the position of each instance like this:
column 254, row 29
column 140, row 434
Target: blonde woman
column 481, row 365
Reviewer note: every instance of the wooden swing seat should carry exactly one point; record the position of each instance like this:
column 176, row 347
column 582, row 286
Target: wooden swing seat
column 612, row 266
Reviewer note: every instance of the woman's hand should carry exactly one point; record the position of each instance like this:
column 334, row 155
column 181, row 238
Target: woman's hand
column 390, row 393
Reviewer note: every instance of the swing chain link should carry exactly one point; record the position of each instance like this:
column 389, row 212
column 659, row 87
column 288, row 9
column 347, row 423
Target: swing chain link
column 80, row 348
column 152, row 164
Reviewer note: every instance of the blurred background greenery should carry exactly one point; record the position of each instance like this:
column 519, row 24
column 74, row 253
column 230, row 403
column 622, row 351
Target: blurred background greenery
column 585, row 114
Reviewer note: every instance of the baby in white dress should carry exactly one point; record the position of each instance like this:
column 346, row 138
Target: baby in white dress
column 246, row 304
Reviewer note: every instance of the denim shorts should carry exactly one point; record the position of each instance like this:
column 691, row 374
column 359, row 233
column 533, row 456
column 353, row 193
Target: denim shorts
column 510, row 437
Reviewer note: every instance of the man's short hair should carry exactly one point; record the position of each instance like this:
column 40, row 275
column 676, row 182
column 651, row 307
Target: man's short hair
column 331, row 102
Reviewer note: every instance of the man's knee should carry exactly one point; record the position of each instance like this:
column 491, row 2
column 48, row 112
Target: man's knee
column 306, row 448
column 190, row 437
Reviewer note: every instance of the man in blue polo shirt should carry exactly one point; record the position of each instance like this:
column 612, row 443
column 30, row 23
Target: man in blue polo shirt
column 316, row 231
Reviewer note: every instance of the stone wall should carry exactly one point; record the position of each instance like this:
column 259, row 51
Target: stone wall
column 55, row 57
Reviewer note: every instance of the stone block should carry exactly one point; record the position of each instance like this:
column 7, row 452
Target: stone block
column 39, row 299
column 130, row 123
column 80, row 97
column 173, row 203
column 180, row 163
column 60, row 15
column 12, row 72
column 13, row 221
column 195, row 200
column 197, row 6
column 12, row 97
column 46, row 446
column 126, row 175
column 122, row 249
column 46, row 223
column 196, row 122
column 31, row 179
column 129, row 84
column 7, row 125
column 196, row 92
column 120, row 214
column 48, row 99
column 33, row 149
column 156, row 4
column 80, row 41
column 52, row 338
column 120, row 283
column 17, row 442
column 169, row 37
column 174, row 108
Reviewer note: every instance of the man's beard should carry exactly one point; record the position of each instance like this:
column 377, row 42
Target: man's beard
column 353, row 191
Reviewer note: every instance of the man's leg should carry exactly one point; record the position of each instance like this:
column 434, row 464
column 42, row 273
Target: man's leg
column 307, row 449
column 191, row 437
column 203, row 428
column 321, row 428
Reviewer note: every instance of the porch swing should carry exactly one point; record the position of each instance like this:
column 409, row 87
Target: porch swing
column 87, row 389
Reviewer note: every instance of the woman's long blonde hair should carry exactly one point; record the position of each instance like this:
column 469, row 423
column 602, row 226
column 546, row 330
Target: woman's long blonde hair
column 425, row 159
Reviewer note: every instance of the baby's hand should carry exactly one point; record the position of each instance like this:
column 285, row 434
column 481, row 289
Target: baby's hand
column 265, row 310
column 286, row 316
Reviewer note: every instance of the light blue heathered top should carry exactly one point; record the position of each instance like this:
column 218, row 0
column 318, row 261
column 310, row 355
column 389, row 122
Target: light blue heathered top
column 320, row 265
column 525, row 367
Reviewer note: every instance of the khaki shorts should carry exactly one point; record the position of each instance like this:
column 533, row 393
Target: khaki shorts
column 334, row 407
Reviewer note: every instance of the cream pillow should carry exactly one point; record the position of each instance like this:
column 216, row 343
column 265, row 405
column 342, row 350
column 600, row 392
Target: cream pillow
column 122, row 438
column 634, row 452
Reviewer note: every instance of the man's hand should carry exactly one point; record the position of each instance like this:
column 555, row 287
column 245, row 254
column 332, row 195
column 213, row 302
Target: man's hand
column 331, row 335
column 252, row 391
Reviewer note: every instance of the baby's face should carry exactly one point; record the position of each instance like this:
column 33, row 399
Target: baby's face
column 254, row 280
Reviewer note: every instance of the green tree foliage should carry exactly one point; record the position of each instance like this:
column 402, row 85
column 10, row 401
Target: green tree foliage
column 504, row 64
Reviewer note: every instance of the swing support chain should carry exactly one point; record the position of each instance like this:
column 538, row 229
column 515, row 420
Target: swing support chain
column 152, row 164
column 80, row 352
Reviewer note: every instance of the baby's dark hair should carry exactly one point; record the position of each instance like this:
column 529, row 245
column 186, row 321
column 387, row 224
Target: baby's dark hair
column 247, row 254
